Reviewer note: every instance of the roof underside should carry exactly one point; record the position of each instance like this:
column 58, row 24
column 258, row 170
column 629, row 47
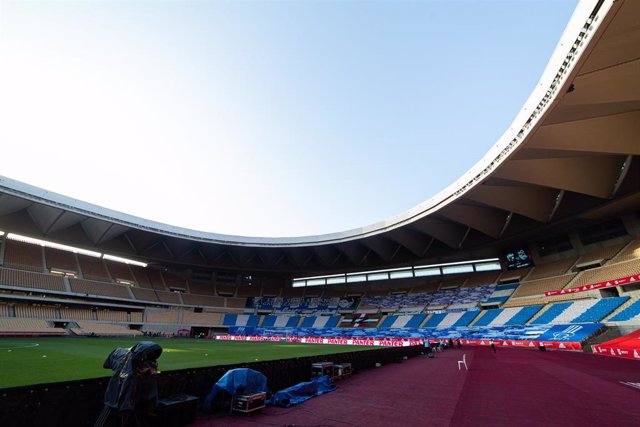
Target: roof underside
column 577, row 164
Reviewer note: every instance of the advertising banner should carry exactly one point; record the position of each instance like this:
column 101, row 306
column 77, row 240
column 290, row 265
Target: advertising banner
column 626, row 346
column 607, row 284
column 380, row 342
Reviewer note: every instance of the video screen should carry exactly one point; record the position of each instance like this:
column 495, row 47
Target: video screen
column 518, row 258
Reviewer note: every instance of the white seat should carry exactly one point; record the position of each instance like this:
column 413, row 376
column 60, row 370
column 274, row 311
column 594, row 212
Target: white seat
column 463, row 362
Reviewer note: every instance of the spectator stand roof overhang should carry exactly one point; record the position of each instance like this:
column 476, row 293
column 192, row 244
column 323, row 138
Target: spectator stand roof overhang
column 569, row 156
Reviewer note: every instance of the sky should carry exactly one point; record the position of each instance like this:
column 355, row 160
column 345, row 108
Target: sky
column 263, row 118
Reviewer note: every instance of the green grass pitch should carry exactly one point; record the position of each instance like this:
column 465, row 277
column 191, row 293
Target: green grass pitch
column 27, row 361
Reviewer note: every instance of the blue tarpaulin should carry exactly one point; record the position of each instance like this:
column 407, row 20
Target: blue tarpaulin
column 301, row 392
column 238, row 382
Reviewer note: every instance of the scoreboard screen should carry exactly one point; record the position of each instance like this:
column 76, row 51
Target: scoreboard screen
column 518, row 258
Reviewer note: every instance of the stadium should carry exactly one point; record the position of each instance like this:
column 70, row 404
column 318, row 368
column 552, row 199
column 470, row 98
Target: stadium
column 527, row 269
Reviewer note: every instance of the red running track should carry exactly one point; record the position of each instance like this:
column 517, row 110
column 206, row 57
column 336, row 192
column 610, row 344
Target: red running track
column 513, row 387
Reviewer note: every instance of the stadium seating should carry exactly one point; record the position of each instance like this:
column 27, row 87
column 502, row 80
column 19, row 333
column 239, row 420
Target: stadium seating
column 488, row 317
column 403, row 321
column 320, row 321
column 144, row 294
column 435, row 320
column 436, row 306
column 600, row 310
column 551, row 313
column 4, row 311
column 607, row 272
column 523, row 315
column 629, row 314
column 161, row 316
column 112, row 316
column 280, row 321
column 104, row 329
column 57, row 259
column 28, row 279
column 36, row 311
column 92, row 287
column 631, row 252
column 14, row 326
column 192, row 318
column 74, row 313
column 93, row 268
column 551, row 269
column 600, row 254
column 23, row 256
column 584, row 311
column 467, row 318
column 240, row 320
column 501, row 293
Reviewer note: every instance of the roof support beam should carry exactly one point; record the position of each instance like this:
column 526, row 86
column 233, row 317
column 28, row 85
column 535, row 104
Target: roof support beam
column 532, row 202
column 484, row 219
column 616, row 134
column 591, row 175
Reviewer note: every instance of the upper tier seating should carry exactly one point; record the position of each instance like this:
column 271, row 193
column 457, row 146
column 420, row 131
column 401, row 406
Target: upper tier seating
column 202, row 288
column 140, row 276
column 90, row 287
column 541, row 299
column 168, row 297
column 119, row 271
column 203, row 300
column 540, row 286
column 465, row 298
column 156, row 280
column 57, row 259
column 175, row 282
column 28, row 279
column 606, row 272
column 225, row 290
column 556, row 268
column 93, row 268
column 293, row 292
column 483, row 278
column 600, row 254
column 144, row 294
column 23, row 256
column 628, row 253
column 513, row 276
column 292, row 305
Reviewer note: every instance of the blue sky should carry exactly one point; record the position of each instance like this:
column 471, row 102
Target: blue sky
column 263, row 118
